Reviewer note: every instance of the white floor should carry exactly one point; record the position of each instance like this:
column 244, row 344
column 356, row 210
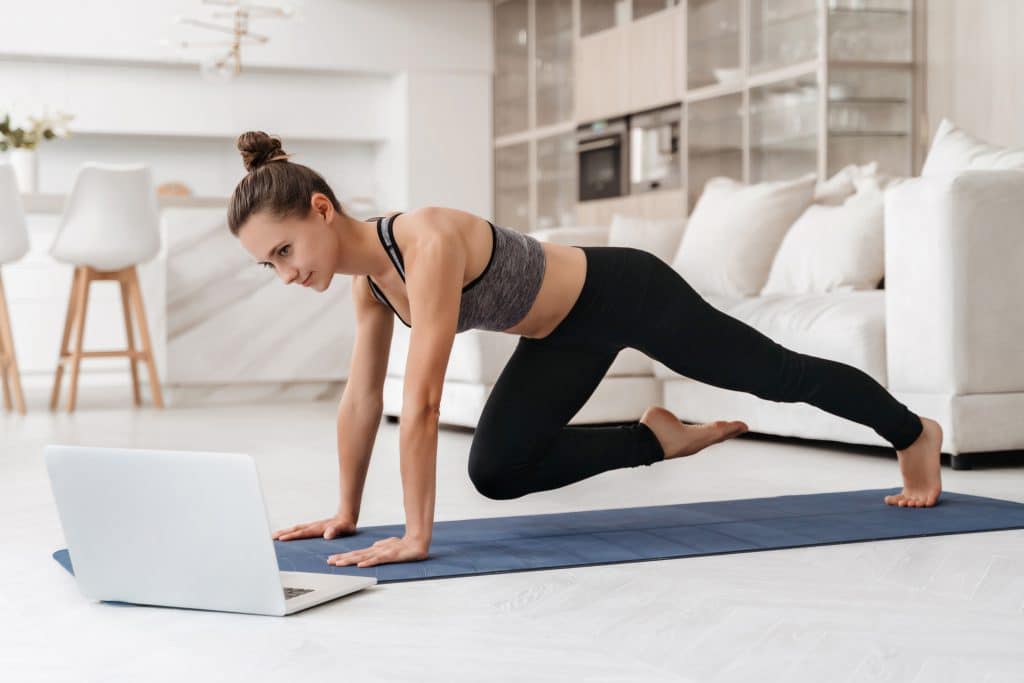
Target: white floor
column 943, row 608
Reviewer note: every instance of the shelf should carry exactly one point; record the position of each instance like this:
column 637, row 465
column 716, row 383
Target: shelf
column 720, row 35
column 776, row 21
column 708, row 92
column 867, row 10
column 54, row 203
column 866, row 134
column 870, row 100
column 868, row 64
column 788, row 140
column 717, row 151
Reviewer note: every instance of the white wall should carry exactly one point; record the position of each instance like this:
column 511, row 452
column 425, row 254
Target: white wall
column 975, row 57
column 389, row 99
column 386, row 97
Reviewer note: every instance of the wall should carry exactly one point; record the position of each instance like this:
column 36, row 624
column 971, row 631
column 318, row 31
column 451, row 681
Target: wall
column 974, row 65
column 388, row 99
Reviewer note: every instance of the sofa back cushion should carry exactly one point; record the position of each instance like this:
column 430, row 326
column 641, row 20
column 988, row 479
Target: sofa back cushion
column 833, row 248
column 734, row 231
column 954, row 149
column 659, row 236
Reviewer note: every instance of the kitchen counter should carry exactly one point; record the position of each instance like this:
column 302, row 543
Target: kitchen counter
column 43, row 203
column 223, row 328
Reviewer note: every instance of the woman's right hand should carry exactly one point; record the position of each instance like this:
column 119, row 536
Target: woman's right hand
column 329, row 528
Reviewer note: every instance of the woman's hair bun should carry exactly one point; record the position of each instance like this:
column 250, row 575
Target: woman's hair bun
column 258, row 148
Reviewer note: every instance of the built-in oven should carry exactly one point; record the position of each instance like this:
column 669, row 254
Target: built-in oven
column 654, row 157
column 602, row 151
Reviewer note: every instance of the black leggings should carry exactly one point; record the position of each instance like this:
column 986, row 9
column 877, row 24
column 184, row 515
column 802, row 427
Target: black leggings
column 632, row 298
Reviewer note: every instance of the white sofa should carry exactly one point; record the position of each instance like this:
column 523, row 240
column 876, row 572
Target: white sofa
column 945, row 335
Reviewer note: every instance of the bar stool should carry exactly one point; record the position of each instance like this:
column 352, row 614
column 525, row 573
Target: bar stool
column 109, row 226
column 13, row 245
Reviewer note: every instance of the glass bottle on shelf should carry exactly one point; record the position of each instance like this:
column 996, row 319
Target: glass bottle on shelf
column 554, row 66
column 511, row 62
column 713, row 42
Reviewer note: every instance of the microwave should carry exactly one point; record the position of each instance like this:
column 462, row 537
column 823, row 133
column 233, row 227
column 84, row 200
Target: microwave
column 654, row 150
column 603, row 159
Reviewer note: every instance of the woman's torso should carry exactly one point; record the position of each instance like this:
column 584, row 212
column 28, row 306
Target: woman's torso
column 564, row 271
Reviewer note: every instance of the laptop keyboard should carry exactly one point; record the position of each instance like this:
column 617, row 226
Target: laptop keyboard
column 290, row 593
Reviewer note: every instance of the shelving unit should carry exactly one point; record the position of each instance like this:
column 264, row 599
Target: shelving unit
column 769, row 89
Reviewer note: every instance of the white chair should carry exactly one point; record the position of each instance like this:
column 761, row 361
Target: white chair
column 109, row 226
column 13, row 245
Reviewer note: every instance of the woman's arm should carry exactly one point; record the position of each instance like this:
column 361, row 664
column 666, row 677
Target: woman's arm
column 418, row 447
column 434, row 273
column 357, row 431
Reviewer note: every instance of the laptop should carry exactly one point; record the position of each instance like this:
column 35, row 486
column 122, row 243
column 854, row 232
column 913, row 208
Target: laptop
column 177, row 529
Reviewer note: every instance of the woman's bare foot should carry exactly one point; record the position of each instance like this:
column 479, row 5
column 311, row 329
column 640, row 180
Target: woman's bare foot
column 678, row 440
column 921, row 469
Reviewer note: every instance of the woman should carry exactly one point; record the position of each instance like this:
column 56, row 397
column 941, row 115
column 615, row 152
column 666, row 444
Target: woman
column 442, row 271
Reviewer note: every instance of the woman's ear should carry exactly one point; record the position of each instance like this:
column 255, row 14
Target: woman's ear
column 322, row 205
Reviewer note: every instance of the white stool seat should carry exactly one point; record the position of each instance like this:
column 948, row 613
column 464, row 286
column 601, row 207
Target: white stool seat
column 13, row 233
column 111, row 220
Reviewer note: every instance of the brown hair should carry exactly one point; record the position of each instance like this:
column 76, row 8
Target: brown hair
column 273, row 183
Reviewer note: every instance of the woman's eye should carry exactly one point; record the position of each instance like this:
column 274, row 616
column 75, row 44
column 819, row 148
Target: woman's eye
column 265, row 264
column 283, row 251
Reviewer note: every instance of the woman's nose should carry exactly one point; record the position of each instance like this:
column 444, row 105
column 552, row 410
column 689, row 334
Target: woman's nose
column 288, row 276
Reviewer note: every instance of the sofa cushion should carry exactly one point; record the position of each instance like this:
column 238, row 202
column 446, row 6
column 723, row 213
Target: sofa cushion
column 835, row 190
column 833, row 248
column 848, row 327
column 735, row 230
column 660, row 236
column 954, row 149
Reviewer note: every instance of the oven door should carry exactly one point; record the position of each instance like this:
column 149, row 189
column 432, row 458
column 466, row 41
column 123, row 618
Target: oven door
column 603, row 167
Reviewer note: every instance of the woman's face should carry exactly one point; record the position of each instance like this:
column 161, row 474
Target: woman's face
column 301, row 251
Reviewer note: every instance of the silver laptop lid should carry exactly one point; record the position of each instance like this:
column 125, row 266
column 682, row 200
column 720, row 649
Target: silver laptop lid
column 176, row 528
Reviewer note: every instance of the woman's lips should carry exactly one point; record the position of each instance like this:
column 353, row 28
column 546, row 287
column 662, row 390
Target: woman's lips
column 305, row 283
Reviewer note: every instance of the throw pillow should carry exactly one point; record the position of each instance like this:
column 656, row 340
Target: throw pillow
column 833, row 248
column 953, row 149
column 734, row 231
column 658, row 236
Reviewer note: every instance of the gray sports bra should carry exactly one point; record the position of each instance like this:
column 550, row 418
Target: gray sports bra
column 501, row 295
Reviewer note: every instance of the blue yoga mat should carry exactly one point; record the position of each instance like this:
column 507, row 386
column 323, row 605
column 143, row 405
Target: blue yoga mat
column 467, row 547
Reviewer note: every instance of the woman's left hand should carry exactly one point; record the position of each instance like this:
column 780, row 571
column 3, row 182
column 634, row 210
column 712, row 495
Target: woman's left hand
column 383, row 551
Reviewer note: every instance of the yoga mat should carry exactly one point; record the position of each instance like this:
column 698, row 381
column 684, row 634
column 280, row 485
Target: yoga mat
column 495, row 545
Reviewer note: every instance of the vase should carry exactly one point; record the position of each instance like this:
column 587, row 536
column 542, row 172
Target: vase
column 26, row 169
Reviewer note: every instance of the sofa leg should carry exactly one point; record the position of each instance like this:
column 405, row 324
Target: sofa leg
column 959, row 462
column 393, row 419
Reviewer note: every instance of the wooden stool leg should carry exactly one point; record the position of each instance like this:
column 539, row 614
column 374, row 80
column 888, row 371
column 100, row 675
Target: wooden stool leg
column 3, row 374
column 125, row 284
column 63, row 353
column 10, row 364
column 81, row 302
column 147, row 348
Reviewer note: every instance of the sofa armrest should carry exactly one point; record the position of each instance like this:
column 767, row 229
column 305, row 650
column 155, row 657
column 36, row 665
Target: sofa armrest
column 580, row 236
column 954, row 281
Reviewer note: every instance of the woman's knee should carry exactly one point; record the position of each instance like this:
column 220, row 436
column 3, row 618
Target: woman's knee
column 488, row 477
